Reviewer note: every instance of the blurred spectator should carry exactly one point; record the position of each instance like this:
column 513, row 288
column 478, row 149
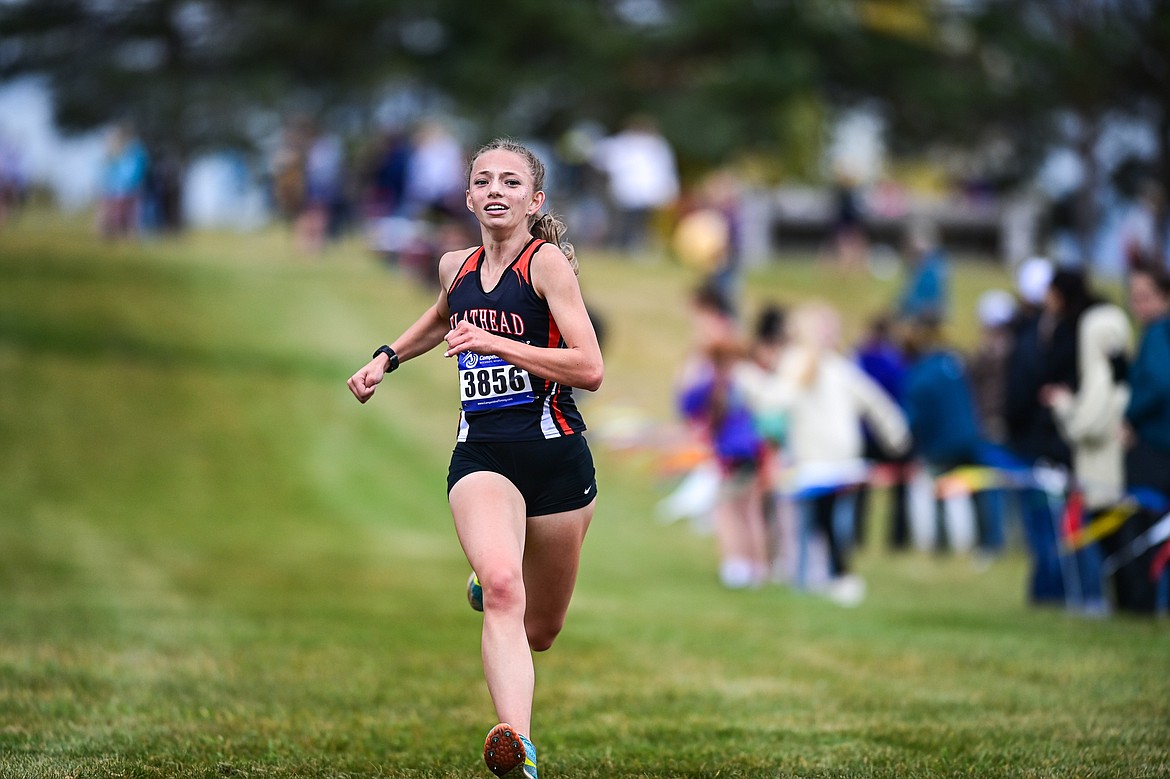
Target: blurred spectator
column 883, row 361
column 1065, row 303
column 287, row 170
column 766, row 349
column 722, row 193
column 926, row 291
column 850, row 243
column 431, row 216
column 436, row 174
column 387, row 176
column 1139, row 225
column 581, row 184
column 996, row 309
column 1148, row 411
column 643, row 178
column 1089, row 412
column 945, row 427
column 768, row 337
column 1147, row 459
column 390, row 232
column 826, row 397
column 1090, row 419
column 715, row 405
column 708, row 236
column 125, row 169
column 163, row 193
column 322, row 215
column 1064, row 244
column 712, row 322
column 1031, row 431
column 13, row 179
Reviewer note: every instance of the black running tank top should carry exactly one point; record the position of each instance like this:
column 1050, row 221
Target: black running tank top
column 501, row 402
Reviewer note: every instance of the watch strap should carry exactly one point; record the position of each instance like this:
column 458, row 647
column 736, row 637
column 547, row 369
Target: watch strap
column 391, row 354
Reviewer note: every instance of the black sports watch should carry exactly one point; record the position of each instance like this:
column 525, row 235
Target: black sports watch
column 393, row 355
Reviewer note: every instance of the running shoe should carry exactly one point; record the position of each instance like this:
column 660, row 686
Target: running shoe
column 474, row 592
column 529, row 758
column 505, row 751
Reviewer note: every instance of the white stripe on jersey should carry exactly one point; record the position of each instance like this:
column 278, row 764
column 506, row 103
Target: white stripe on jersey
column 547, row 425
column 463, row 427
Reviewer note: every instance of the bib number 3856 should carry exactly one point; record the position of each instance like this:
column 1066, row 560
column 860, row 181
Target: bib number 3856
column 488, row 382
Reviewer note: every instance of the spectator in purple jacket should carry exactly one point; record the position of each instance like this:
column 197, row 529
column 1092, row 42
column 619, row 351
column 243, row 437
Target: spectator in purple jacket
column 716, row 407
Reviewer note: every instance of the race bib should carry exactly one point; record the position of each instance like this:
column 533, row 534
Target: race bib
column 487, row 382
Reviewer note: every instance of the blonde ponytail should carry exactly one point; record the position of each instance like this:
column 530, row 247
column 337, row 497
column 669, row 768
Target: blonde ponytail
column 549, row 227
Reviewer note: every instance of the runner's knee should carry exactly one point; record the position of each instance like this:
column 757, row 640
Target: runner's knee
column 503, row 590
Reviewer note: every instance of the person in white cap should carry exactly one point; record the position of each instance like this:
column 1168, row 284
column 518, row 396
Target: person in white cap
column 1032, row 279
column 1030, row 429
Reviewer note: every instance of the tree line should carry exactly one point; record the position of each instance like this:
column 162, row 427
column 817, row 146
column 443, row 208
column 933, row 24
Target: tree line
column 724, row 78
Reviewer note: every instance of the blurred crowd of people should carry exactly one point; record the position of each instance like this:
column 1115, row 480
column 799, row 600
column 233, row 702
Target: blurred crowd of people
column 1053, row 430
column 403, row 189
column 1055, row 419
column 139, row 192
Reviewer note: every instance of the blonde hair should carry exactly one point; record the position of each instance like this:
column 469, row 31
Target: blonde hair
column 546, row 226
column 815, row 329
column 816, row 325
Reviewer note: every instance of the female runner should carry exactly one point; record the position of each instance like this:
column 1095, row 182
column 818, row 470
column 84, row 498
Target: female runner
column 521, row 481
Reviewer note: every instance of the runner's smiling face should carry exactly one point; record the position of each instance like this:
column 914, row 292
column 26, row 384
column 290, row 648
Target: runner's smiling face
column 500, row 192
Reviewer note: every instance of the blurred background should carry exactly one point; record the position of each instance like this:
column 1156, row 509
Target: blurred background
column 1038, row 126
column 850, row 148
column 214, row 562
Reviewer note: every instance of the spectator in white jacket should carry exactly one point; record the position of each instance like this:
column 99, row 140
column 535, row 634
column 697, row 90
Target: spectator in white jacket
column 1090, row 418
column 826, row 396
column 643, row 177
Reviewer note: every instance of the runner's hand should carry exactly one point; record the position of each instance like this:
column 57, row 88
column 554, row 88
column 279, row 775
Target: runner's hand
column 363, row 383
column 466, row 337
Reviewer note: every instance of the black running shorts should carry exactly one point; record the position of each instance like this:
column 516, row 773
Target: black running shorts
column 553, row 475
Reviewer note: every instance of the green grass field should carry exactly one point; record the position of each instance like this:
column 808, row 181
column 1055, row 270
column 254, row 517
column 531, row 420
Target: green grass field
column 215, row 563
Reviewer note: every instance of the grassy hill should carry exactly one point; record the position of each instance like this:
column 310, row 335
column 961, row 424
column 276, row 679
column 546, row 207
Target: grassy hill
column 214, row 562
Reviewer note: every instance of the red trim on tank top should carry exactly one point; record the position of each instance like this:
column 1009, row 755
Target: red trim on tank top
column 523, row 266
column 558, row 415
column 469, row 266
column 554, row 332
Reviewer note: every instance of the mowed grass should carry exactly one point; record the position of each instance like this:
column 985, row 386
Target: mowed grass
column 215, row 563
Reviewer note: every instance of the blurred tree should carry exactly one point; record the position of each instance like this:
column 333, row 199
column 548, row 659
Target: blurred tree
column 724, row 77
column 196, row 73
column 1147, row 71
column 1064, row 68
column 721, row 75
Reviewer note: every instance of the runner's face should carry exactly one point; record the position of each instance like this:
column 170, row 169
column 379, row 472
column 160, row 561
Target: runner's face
column 500, row 192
